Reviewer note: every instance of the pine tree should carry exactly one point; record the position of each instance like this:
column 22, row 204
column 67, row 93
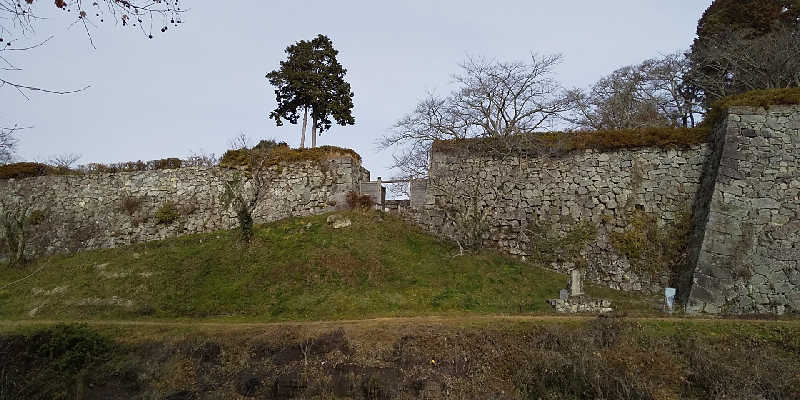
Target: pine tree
column 312, row 79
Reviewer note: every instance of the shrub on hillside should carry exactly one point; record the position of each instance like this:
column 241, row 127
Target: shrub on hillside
column 25, row 170
column 130, row 204
column 167, row 213
column 53, row 363
column 279, row 152
column 356, row 201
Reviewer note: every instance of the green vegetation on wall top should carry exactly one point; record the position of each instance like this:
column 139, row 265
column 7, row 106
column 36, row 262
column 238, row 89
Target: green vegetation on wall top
column 281, row 153
column 755, row 98
column 563, row 142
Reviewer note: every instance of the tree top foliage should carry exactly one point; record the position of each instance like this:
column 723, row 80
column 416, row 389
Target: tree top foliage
column 758, row 16
column 312, row 77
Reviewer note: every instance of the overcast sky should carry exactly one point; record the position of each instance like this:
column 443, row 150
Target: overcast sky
column 197, row 86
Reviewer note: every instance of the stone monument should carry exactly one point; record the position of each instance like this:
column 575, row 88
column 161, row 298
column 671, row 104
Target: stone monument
column 575, row 282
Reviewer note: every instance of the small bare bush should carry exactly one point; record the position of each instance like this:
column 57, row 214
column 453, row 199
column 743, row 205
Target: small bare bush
column 358, row 201
column 130, row 204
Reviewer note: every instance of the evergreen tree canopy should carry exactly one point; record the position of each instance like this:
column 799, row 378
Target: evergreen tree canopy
column 744, row 45
column 759, row 17
column 312, row 78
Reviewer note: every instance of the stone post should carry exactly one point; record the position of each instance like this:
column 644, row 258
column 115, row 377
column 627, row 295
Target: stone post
column 576, row 282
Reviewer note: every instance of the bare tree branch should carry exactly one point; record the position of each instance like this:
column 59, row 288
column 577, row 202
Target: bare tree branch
column 492, row 99
column 18, row 21
column 8, row 143
column 653, row 93
column 64, row 161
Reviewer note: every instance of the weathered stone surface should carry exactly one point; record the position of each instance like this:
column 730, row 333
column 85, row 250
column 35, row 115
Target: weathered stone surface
column 743, row 190
column 581, row 304
column 519, row 197
column 338, row 221
column 110, row 210
column 749, row 257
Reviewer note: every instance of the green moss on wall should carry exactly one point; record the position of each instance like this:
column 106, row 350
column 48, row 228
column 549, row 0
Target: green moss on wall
column 653, row 249
column 167, row 213
column 281, row 153
column 755, row 98
column 548, row 246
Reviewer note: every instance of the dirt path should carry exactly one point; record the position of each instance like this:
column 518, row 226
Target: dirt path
column 381, row 322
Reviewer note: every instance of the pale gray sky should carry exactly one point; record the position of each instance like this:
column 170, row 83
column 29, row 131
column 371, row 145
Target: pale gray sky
column 199, row 85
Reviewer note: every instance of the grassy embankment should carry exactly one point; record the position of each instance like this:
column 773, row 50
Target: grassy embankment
column 464, row 357
column 295, row 269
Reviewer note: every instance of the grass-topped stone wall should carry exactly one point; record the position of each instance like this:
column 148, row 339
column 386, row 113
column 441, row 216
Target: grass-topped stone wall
column 117, row 206
column 629, row 207
column 562, row 143
column 623, row 216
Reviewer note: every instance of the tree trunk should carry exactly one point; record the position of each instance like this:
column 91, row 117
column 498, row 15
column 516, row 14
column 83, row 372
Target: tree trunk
column 19, row 241
column 305, row 122
column 314, row 133
column 245, row 223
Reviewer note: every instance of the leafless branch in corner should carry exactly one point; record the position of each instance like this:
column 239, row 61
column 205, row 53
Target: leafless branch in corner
column 19, row 20
column 21, row 88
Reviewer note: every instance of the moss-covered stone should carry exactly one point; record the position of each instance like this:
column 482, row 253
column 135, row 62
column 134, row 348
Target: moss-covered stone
column 550, row 246
column 755, row 98
column 563, row 142
column 282, row 153
column 167, row 213
column 651, row 248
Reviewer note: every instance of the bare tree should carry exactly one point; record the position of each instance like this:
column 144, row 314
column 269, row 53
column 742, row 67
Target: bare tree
column 651, row 94
column 616, row 102
column 239, row 142
column 245, row 190
column 491, row 99
column 737, row 61
column 201, row 159
column 667, row 81
column 64, row 161
column 8, row 143
column 460, row 197
column 463, row 195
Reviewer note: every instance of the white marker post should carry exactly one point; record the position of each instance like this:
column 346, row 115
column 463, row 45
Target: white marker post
column 669, row 299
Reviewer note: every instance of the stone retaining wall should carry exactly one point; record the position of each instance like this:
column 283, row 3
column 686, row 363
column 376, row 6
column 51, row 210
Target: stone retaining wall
column 721, row 222
column 566, row 210
column 109, row 210
column 749, row 258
